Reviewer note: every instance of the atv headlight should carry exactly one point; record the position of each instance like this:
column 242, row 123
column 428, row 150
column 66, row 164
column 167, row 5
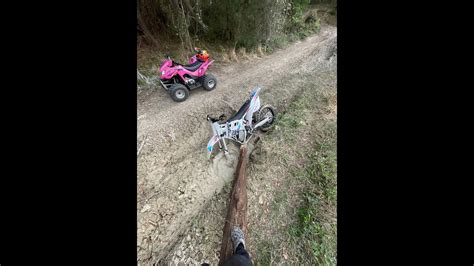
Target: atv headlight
column 162, row 73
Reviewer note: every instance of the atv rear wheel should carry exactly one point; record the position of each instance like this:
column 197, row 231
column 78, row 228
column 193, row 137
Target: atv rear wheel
column 266, row 111
column 179, row 92
column 209, row 82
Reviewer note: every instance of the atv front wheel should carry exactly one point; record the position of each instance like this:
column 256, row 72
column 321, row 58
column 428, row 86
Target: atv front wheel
column 209, row 82
column 179, row 92
column 266, row 111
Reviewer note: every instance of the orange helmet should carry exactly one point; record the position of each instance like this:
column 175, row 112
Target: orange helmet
column 203, row 55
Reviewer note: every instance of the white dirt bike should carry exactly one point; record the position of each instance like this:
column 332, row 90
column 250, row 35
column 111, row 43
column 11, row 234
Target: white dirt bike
column 242, row 125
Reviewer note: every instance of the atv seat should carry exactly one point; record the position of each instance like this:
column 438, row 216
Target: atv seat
column 194, row 66
column 241, row 112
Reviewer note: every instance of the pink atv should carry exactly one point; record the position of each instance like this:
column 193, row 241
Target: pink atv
column 178, row 79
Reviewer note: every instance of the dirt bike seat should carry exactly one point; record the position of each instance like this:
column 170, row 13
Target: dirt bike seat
column 194, row 66
column 241, row 112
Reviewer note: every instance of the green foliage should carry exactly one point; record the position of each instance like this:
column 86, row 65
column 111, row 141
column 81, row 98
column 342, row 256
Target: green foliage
column 278, row 41
column 302, row 21
column 238, row 23
column 176, row 26
column 296, row 19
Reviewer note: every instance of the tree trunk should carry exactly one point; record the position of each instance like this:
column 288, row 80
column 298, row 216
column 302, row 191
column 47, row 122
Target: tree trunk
column 146, row 31
column 237, row 208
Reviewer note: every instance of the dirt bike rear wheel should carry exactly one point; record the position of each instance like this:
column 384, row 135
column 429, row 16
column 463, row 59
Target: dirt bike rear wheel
column 264, row 111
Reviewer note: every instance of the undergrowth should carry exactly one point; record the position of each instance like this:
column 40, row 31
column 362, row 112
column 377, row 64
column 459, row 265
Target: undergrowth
column 301, row 25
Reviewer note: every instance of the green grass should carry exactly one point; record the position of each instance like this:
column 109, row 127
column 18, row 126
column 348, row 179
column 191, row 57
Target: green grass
column 265, row 253
column 316, row 241
column 288, row 122
column 140, row 82
column 307, row 201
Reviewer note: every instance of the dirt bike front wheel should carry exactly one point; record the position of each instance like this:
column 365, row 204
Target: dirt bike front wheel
column 264, row 112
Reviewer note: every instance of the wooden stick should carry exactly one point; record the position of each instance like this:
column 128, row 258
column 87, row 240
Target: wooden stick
column 237, row 207
column 141, row 145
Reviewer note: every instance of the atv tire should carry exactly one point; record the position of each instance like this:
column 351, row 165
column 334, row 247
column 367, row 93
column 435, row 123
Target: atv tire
column 209, row 82
column 179, row 92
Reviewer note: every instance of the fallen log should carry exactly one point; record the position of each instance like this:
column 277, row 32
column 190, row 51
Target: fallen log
column 237, row 206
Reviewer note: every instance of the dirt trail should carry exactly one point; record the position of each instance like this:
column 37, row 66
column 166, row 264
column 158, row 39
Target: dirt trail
column 175, row 179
